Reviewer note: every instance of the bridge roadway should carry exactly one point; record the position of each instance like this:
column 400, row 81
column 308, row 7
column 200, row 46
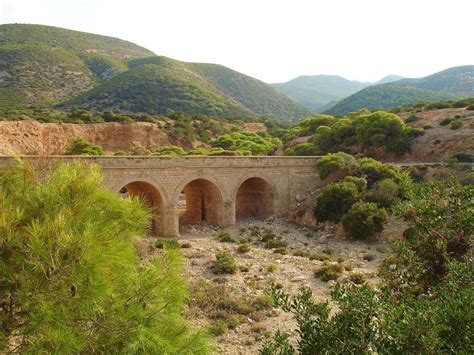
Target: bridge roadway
column 202, row 189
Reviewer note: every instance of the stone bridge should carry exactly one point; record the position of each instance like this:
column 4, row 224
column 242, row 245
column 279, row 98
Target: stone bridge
column 197, row 189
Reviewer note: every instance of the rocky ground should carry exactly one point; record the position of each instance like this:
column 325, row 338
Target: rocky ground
column 235, row 307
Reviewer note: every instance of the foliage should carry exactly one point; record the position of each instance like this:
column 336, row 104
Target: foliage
column 356, row 132
column 169, row 150
column 70, row 278
column 328, row 271
column 384, row 193
column 334, row 162
column 247, row 143
column 224, row 264
column 445, row 85
column 243, row 248
column 441, row 219
column 335, row 200
column 363, row 220
column 82, row 147
column 423, row 305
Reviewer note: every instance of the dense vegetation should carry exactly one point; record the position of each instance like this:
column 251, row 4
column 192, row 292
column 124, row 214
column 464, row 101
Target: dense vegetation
column 158, row 84
column 424, row 301
column 45, row 66
column 48, row 64
column 448, row 84
column 357, row 132
column 70, row 278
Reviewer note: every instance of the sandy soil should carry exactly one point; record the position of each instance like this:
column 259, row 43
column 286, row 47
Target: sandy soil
column 255, row 277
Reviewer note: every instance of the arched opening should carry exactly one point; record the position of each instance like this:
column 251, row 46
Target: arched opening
column 151, row 197
column 254, row 199
column 200, row 202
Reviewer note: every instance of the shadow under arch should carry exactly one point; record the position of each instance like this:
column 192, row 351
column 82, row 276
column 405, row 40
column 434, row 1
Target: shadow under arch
column 200, row 201
column 151, row 197
column 255, row 198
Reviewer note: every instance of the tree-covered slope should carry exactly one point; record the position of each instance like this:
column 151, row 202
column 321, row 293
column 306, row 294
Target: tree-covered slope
column 158, row 84
column 42, row 64
column 448, row 84
column 157, row 89
column 316, row 91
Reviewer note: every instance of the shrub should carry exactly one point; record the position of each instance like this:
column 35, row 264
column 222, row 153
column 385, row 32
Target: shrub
column 430, row 289
column 169, row 150
column 300, row 252
column 363, row 220
column 470, row 108
column 263, row 302
column 272, row 267
column 224, row 237
column 224, row 264
column 82, row 147
column 70, row 278
column 319, row 256
column 120, row 153
column 456, row 124
column 374, row 170
column 275, row 243
column 243, row 248
column 384, row 193
column 358, row 278
column 359, row 183
column 440, row 215
column 445, row 121
column 334, row 162
column 328, row 271
column 280, row 250
column 334, row 201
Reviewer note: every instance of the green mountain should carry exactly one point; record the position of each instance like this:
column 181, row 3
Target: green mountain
column 316, row 91
column 453, row 83
column 158, row 84
column 389, row 79
column 42, row 65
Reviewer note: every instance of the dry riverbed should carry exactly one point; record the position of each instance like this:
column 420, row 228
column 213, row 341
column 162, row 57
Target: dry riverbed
column 236, row 307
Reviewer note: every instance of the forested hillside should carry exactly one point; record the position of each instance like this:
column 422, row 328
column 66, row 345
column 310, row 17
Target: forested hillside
column 49, row 67
column 452, row 83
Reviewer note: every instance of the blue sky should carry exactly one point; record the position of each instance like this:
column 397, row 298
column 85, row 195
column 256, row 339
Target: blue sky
column 277, row 40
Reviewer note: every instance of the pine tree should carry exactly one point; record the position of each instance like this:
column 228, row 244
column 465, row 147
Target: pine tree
column 70, row 278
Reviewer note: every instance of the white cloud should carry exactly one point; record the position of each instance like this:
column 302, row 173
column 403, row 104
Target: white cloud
column 276, row 40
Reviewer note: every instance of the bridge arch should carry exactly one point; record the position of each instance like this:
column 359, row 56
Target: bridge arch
column 255, row 197
column 199, row 200
column 151, row 198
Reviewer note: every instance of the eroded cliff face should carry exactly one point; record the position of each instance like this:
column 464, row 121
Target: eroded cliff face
column 33, row 138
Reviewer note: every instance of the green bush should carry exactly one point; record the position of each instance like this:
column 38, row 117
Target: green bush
column 319, row 256
column 358, row 278
column 374, row 170
column 224, row 264
column 70, row 278
column 82, row 147
column 456, row 124
column 169, row 150
column 440, row 215
column 224, row 237
column 363, row 220
column 328, row 271
column 334, row 162
column 334, row 201
column 243, row 248
column 430, row 289
column 280, row 250
column 446, row 121
column 384, row 193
